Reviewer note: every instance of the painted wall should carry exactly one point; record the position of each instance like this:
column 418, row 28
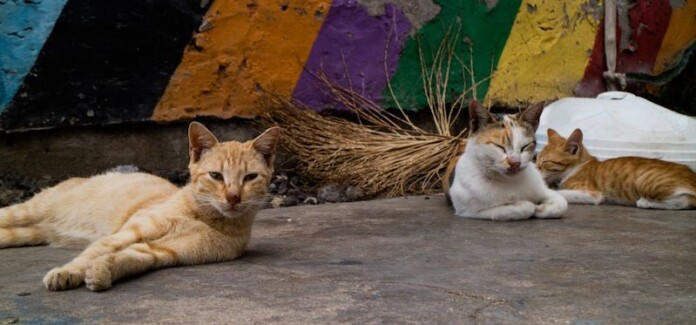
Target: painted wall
column 24, row 27
column 223, row 60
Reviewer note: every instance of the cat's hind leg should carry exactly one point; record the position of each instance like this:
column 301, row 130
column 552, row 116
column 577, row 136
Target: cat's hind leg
column 582, row 196
column 670, row 203
column 519, row 210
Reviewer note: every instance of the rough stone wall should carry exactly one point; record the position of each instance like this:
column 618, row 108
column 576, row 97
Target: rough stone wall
column 109, row 62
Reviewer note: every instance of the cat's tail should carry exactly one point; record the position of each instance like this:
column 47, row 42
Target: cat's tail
column 19, row 225
column 21, row 236
column 19, row 215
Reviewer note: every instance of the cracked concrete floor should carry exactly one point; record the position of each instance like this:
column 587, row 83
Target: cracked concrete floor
column 404, row 260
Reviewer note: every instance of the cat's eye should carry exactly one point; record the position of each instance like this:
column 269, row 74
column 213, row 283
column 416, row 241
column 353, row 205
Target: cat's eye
column 553, row 167
column 216, row 176
column 250, row 177
column 533, row 143
column 499, row 146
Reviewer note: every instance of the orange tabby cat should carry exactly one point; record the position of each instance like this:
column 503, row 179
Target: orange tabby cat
column 138, row 222
column 642, row 182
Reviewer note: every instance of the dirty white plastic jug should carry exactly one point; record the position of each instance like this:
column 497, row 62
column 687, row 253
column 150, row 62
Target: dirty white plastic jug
column 621, row 124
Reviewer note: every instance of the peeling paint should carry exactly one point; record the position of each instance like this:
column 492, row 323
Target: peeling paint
column 523, row 51
column 555, row 40
column 624, row 25
column 680, row 33
column 26, row 26
column 486, row 31
column 345, row 50
column 418, row 12
column 248, row 51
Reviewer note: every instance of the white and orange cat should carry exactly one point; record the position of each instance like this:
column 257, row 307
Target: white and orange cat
column 494, row 178
column 135, row 222
column 636, row 181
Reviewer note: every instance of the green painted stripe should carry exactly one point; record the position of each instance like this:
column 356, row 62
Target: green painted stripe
column 486, row 30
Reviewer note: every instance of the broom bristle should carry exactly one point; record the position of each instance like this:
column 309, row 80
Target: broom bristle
column 381, row 162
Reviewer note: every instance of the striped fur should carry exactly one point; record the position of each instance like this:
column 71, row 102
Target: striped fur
column 635, row 181
column 135, row 222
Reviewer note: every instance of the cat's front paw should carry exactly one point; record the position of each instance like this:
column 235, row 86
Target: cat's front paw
column 549, row 211
column 519, row 210
column 63, row 278
column 97, row 276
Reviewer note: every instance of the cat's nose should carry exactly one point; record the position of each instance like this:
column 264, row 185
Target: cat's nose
column 232, row 199
column 514, row 162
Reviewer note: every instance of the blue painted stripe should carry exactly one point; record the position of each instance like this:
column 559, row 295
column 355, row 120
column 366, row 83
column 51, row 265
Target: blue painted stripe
column 24, row 28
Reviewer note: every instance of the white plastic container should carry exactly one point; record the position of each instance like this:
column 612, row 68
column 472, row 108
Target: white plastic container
column 621, row 124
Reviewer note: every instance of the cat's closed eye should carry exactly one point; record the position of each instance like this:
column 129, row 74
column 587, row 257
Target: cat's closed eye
column 529, row 145
column 216, row 176
column 551, row 166
column 500, row 146
column 250, row 177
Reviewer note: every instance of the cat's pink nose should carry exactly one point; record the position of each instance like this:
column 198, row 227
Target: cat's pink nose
column 514, row 163
column 232, row 199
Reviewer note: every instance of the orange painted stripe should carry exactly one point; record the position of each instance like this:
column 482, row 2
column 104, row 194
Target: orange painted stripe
column 680, row 33
column 244, row 51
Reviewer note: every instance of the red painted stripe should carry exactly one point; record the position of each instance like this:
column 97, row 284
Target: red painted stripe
column 648, row 21
column 592, row 82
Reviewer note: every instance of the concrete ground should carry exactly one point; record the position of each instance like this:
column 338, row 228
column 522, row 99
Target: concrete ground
column 405, row 260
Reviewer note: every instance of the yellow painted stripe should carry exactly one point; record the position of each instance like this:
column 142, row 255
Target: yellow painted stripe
column 546, row 53
column 244, row 49
column 680, row 32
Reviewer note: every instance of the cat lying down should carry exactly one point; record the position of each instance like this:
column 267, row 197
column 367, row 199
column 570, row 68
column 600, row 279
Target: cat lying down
column 136, row 222
column 635, row 181
column 495, row 178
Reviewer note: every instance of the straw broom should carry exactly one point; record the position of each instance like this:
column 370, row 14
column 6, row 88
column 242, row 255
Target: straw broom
column 384, row 153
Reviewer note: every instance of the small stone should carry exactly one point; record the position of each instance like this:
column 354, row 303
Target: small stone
column 282, row 188
column 10, row 196
column 124, row 169
column 354, row 193
column 22, row 294
column 290, row 200
column 295, row 182
column 331, row 193
column 427, row 198
column 311, row 200
column 277, row 201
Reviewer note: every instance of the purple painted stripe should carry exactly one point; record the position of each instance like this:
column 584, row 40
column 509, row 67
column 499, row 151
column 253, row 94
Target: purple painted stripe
column 351, row 43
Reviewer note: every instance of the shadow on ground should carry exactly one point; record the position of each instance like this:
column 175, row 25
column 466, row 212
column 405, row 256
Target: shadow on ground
column 405, row 260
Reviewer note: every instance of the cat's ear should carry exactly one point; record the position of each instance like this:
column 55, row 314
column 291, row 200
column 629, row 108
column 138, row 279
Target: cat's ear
column 574, row 142
column 200, row 140
column 479, row 116
column 266, row 144
column 553, row 136
column 532, row 114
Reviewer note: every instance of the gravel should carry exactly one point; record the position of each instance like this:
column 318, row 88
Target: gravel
column 286, row 188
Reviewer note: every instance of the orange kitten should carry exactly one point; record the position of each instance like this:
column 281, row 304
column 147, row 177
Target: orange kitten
column 138, row 222
column 642, row 182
